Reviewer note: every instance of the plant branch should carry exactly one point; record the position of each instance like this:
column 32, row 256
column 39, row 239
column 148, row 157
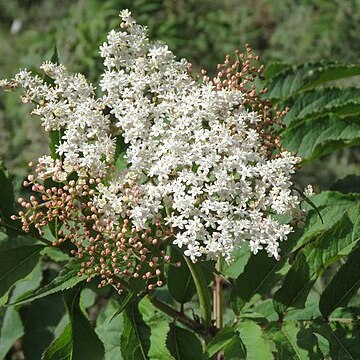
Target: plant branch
column 218, row 311
column 181, row 317
column 202, row 292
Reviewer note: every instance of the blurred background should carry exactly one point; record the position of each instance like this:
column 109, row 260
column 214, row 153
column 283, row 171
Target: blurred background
column 203, row 32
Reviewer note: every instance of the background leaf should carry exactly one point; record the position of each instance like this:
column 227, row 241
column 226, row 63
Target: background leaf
column 67, row 279
column 180, row 282
column 16, row 264
column 343, row 286
column 183, row 344
column 135, row 339
column 109, row 331
column 78, row 339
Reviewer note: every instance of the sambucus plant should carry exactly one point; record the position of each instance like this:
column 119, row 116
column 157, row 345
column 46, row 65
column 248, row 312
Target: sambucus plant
column 156, row 179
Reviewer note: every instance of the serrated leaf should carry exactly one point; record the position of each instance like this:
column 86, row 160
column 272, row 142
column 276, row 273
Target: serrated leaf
column 61, row 348
column 132, row 295
column 311, row 139
column 322, row 101
column 183, row 344
column 67, row 279
column 293, row 340
column 78, row 340
column 16, row 264
column 11, row 329
column 314, row 258
column 260, row 274
column 343, row 286
column 109, row 332
column 40, row 320
column 306, row 76
column 235, row 349
column 180, row 282
column 302, row 340
column 135, row 339
column 236, row 267
column 159, row 328
column 28, row 284
column 338, row 341
column 331, row 205
column 220, row 341
column 257, row 347
column 274, row 69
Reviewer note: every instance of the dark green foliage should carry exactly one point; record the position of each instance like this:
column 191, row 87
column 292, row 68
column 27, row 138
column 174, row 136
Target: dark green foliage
column 78, row 337
column 16, row 264
column 135, row 338
column 183, row 344
column 343, row 285
column 180, row 282
column 67, row 279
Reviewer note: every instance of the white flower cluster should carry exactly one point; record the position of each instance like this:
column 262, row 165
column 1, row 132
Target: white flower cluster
column 207, row 174
column 68, row 104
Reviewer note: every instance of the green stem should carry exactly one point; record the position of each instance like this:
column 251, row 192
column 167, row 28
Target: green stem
column 177, row 315
column 202, row 292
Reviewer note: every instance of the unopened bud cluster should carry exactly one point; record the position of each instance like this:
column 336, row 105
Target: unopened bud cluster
column 115, row 251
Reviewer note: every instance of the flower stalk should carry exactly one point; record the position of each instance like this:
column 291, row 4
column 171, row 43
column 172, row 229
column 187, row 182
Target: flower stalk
column 218, row 311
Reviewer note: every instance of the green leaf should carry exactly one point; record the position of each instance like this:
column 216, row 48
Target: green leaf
column 259, row 272
column 220, row 341
column 120, row 152
column 235, row 349
column 40, row 320
column 183, row 344
column 236, row 267
column 11, row 329
column 293, row 340
column 338, row 341
column 61, row 348
column 159, row 328
column 314, row 258
column 109, row 332
column 314, row 138
column 306, row 76
column 67, row 279
column 180, row 282
column 332, row 205
column 16, row 264
column 302, row 339
column 274, row 69
column 252, row 337
column 78, row 339
column 28, row 284
column 132, row 295
column 343, row 285
column 322, row 101
column 135, row 339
